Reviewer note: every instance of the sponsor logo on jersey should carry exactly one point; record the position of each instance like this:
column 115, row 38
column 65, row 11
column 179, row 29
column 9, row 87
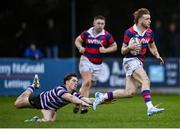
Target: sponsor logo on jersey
column 144, row 41
column 94, row 41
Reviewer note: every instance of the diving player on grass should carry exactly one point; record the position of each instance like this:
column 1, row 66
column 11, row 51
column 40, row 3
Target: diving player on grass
column 50, row 101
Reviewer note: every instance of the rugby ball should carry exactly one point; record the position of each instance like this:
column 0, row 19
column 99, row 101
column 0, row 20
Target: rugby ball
column 132, row 42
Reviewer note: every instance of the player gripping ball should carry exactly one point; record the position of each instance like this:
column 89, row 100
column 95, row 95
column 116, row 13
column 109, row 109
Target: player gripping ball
column 134, row 46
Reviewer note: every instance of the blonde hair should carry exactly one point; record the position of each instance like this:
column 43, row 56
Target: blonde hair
column 139, row 13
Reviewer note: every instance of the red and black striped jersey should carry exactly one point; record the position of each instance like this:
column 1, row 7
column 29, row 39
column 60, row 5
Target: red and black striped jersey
column 93, row 43
column 147, row 37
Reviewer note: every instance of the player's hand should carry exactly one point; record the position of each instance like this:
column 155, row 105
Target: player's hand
column 160, row 59
column 81, row 49
column 135, row 47
column 85, row 104
column 102, row 49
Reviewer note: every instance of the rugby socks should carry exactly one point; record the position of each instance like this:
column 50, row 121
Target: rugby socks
column 31, row 89
column 108, row 96
column 147, row 98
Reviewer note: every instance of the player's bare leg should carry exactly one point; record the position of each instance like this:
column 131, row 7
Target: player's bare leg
column 48, row 116
column 129, row 90
column 22, row 100
column 86, row 85
column 85, row 88
column 140, row 75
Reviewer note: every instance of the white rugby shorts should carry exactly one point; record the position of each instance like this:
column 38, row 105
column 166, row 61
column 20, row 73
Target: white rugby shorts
column 86, row 65
column 131, row 64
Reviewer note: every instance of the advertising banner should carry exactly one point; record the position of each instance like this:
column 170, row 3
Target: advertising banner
column 166, row 75
column 17, row 74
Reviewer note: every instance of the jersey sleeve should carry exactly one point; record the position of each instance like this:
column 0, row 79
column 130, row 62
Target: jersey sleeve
column 110, row 39
column 127, row 36
column 61, row 91
column 83, row 36
column 74, row 93
column 152, row 38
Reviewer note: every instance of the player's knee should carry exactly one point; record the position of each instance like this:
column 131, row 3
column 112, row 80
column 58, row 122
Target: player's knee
column 130, row 93
column 20, row 103
column 17, row 104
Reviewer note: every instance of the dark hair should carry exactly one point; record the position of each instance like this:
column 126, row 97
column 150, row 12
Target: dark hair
column 69, row 76
column 99, row 17
column 139, row 13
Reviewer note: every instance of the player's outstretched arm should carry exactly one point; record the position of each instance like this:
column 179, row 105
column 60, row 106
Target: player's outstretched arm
column 74, row 99
column 88, row 100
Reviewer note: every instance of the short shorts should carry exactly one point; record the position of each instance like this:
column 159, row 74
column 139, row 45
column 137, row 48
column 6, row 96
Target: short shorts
column 34, row 100
column 131, row 64
column 86, row 65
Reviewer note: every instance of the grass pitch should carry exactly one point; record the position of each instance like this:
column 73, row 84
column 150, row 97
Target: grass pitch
column 123, row 113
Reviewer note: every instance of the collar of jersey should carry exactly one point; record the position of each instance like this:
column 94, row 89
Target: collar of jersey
column 90, row 31
column 137, row 30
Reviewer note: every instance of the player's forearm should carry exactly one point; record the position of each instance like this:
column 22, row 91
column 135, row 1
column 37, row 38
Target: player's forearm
column 154, row 51
column 75, row 100
column 71, row 98
column 87, row 100
column 78, row 43
column 111, row 48
column 125, row 50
